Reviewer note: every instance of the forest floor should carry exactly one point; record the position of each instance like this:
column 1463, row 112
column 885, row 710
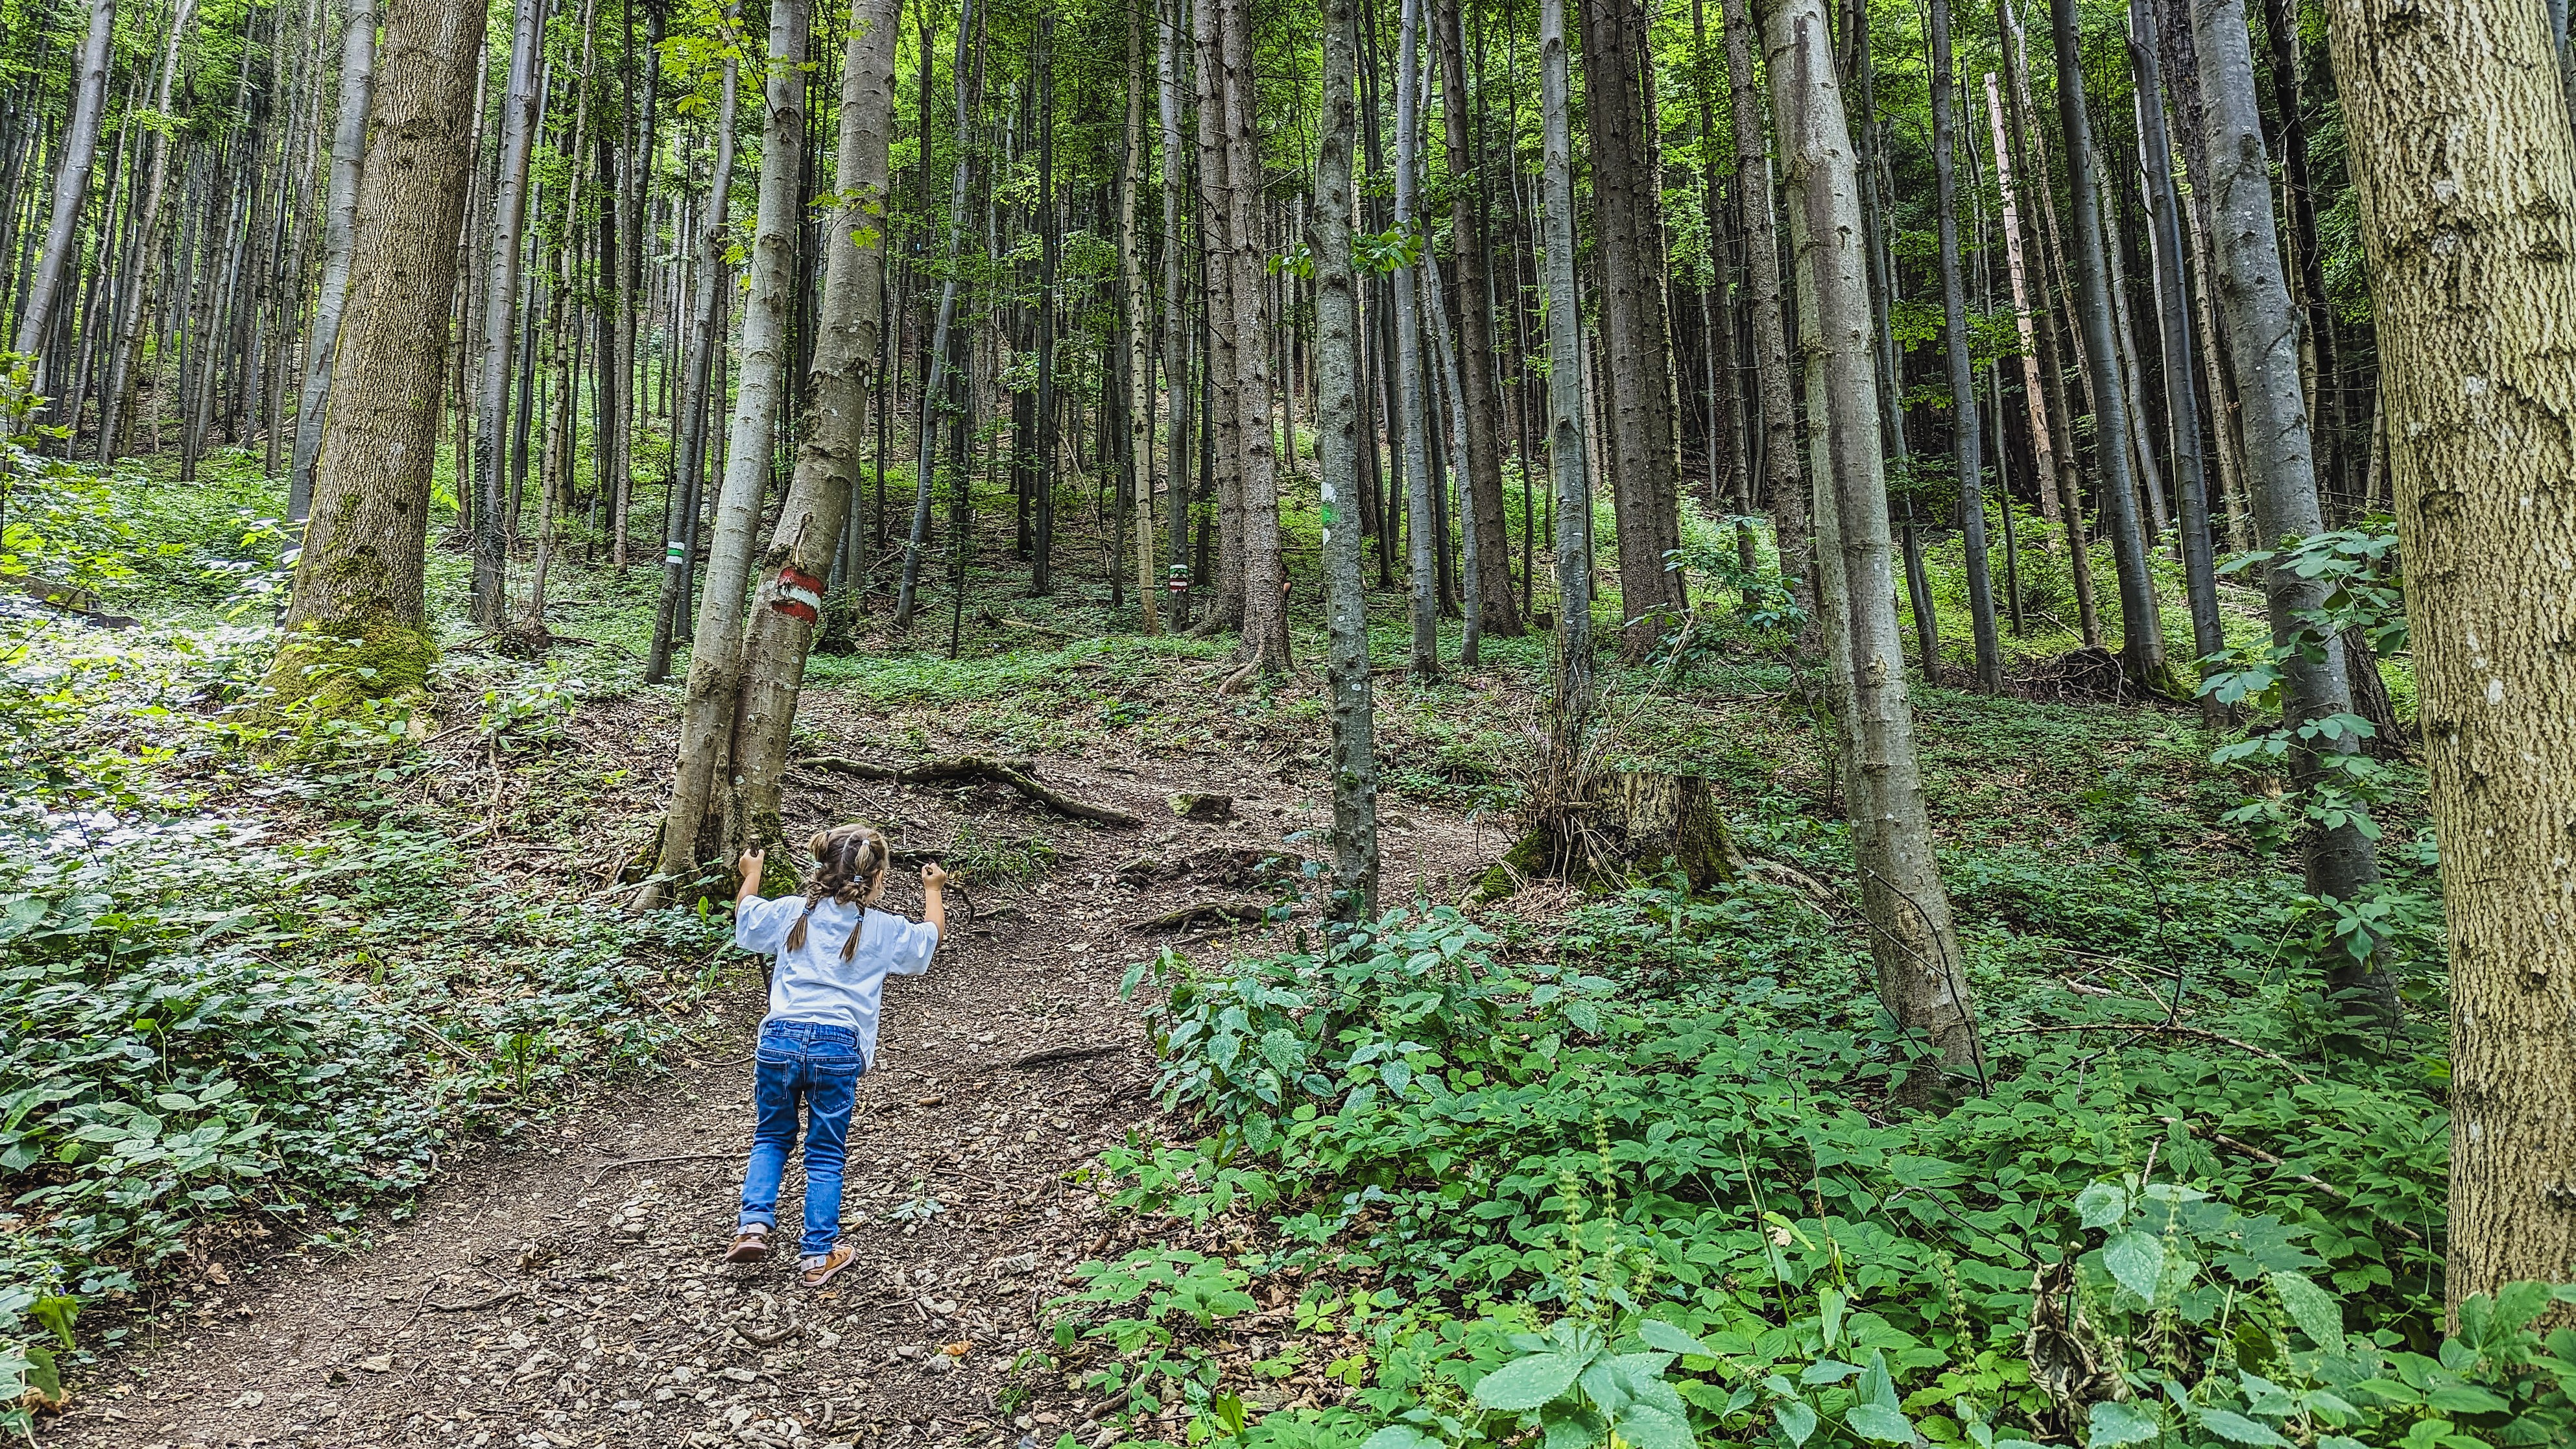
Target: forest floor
column 569, row 1291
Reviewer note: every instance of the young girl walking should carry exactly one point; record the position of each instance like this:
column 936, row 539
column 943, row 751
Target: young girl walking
column 834, row 954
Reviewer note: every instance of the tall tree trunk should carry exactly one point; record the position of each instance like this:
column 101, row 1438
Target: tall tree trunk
column 147, row 248
column 1435, row 312
column 1176, row 327
column 358, row 597
column 1636, row 331
column 1265, row 605
column 2173, row 324
column 705, row 343
column 2142, row 634
column 1134, row 305
column 1912, row 939
column 71, row 190
column 1483, row 468
column 1048, row 227
column 1337, row 447
column 1222, row 455
column 2262, row 329
column 1565, row 411
column 1784, row 476
column 1966, row 445
column 2472, row 250
column 811, row 523
column 500, row 299
column 1422, row 529
column 934, row 384
column 715, row 654
column 348, row 148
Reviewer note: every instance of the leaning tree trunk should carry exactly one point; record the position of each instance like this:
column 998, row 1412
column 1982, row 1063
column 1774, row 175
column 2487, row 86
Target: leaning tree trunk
column 1337, row 448
column 1565, row 431
column 789, row 599
column 1912, row 940
column 2472, row 248
column 2262, row 330
column 71, row 189
column 358, row 600
column 146, row 251
column 1965, row 444
column 340, row 201
column 2142, row 632
column 1784, row 477
column 715, row 653
column 500, row 302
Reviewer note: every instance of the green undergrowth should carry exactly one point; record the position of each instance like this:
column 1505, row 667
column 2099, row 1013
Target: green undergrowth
column 245, row 1004
column 1660, row 1136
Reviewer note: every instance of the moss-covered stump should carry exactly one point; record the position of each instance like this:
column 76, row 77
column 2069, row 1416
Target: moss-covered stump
column 325, row 674
column 1627, row 822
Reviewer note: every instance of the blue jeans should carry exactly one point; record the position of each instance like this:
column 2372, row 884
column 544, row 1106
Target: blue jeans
column 818, row 1065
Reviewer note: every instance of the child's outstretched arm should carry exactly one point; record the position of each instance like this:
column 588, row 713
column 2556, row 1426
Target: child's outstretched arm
column 934, row 907
column 750, row 867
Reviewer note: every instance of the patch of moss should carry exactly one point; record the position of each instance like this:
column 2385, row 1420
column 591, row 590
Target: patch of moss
column 345, row 672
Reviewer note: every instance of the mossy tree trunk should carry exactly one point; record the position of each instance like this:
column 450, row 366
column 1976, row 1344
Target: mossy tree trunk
column 358, row 597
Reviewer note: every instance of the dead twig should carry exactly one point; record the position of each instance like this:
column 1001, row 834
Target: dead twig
column 478, row 1305
column 1244, row 911
column 2159, row 1028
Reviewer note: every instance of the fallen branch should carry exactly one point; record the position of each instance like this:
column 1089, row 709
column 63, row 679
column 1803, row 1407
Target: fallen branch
column 1014, row 773
column 2271, row 1160
column 2158, row 1028
column 1203, row 911
column 476, row 1306
column 1068, row 1054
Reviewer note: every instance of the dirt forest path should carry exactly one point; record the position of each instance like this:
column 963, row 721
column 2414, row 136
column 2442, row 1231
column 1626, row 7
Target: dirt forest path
column 568, row 1291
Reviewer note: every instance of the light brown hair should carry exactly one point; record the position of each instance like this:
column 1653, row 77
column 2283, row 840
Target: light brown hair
column 849, row 866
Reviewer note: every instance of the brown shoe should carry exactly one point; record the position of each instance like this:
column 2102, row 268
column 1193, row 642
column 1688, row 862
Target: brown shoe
column 749, row 1246
column 819, row 1271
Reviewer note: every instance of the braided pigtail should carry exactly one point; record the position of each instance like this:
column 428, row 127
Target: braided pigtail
column 814, row 890
column 869, row 856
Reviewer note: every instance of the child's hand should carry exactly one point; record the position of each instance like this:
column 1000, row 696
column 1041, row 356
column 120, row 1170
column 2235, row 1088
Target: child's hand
column 751, row 859
column 932, row 876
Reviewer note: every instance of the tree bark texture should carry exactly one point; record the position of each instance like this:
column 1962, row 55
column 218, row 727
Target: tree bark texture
column 1483, row 467
column 1966, row 445
column 71, row 187
column 1565, row 410
column 2462, row 152
column 1337, row 448
column 1784, row 474
column 1912, row 940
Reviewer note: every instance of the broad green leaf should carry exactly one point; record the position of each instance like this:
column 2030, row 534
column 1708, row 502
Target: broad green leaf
column 2241, row 1430
column 1879, row 1423
column 2137, row 1260
column 2312, row 1308
column 1399, row 1436
column 2101, row 1205
column 1827, row 1371
column 1649, row 1427
column 1526, row 1383
column 1832, row 1303
column 1659, row 1334
column 2114, row 1424
column 1574, row 1429
column 1796, row 1419
column 2465, row 1399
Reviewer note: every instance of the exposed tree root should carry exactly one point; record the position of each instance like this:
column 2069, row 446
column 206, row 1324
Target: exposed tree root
column 1186, row 916
column 1014, row 773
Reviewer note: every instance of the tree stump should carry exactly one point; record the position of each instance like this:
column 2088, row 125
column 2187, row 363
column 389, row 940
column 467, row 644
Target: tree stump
column 1626, row 823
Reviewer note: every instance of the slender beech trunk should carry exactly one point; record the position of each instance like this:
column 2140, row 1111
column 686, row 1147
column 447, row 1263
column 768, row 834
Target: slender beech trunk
column 715, row 654
column 1222, row 414
column 147, row 248
column 555, row 479
column 71, row 192
column 1176, row 325
column 2262, row 330
column 1049, row 228
column 1135, row 302
column 1966, row 446
column 1422, row 560
column 934, row 384
column 500, row 300
column 705, row 342
column 2142, row 634
column 2178, row 60
column 1784, row 474
column 1565, row 413
column 1337, row 447
column 1912, row 939
column 2174, row 333
column 1472, row 593
column 2478, row 387
column 358, row 596
column 1482, row 495
column 1265, row 604
column 810, row 524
